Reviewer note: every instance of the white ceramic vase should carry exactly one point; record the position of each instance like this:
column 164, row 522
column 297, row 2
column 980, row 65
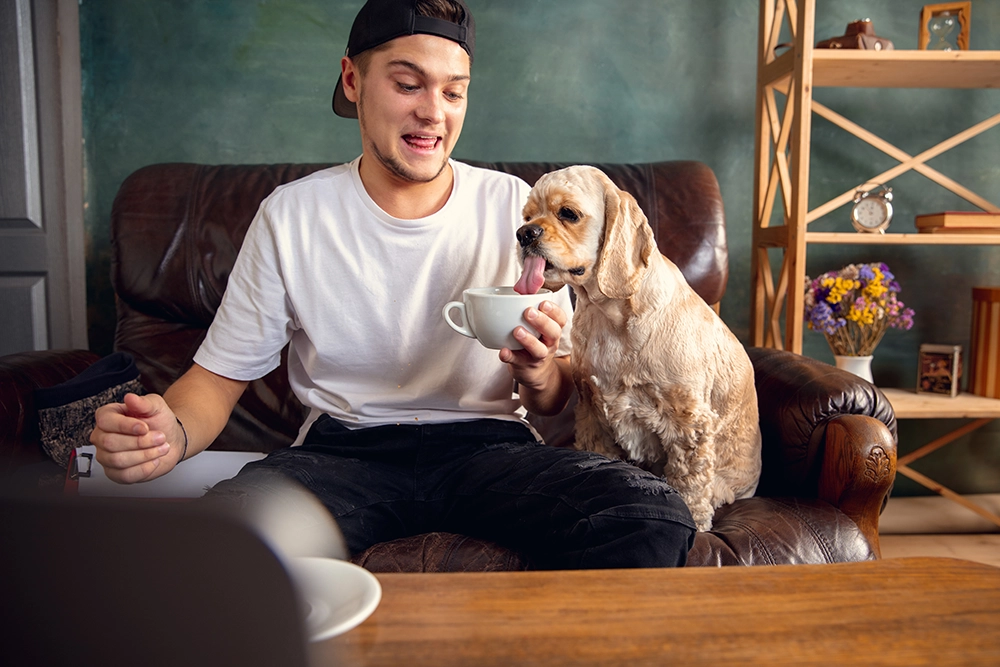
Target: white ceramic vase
column 860, row 366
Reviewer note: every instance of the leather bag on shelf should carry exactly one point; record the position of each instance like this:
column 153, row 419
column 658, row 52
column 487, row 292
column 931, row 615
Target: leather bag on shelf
column 858, row 35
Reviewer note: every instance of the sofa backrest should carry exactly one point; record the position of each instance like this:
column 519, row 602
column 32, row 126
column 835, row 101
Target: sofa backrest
column 176, row 230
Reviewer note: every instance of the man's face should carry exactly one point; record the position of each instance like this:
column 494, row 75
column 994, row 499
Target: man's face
column 411, row 104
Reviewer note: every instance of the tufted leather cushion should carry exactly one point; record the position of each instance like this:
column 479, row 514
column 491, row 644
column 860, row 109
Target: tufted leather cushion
column 439, row 552
column 779, row 531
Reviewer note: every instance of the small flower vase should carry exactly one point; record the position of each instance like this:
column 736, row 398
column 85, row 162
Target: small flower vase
column 860, row 366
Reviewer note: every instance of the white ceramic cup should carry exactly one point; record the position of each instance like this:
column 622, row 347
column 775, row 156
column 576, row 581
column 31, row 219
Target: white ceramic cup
column 490, row 314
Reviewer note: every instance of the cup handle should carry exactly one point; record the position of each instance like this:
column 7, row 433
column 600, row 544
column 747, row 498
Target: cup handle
column 446, row 311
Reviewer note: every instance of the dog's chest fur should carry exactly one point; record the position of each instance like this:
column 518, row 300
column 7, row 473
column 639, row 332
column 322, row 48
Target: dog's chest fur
column 633, row 401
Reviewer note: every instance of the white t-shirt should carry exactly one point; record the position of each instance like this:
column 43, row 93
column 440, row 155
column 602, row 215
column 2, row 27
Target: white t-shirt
column 359, row 294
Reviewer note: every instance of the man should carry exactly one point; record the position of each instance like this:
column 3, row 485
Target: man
column 411, row 428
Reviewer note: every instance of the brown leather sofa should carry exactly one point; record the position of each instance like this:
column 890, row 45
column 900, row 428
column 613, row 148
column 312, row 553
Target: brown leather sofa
column 828, row 437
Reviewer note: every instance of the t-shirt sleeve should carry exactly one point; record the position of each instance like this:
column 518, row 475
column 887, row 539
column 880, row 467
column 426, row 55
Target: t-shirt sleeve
column 255, row 320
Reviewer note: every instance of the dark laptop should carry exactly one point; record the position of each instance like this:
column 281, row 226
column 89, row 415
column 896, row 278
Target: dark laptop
column 117, row 582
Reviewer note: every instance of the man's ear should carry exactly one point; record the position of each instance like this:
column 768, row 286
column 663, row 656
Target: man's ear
column 349, row 76
column 628, row 245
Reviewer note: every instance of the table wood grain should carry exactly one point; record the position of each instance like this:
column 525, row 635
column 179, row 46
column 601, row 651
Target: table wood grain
column 907, row 611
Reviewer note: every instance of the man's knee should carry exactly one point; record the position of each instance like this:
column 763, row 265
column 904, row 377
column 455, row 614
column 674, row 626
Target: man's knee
column 615, row 484
column 627, row 537
column 636, row 519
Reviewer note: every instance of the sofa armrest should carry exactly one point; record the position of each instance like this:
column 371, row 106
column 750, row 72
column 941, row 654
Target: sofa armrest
column 797, row 399
column 20, row 375
column 826, row 434
column 858, row 470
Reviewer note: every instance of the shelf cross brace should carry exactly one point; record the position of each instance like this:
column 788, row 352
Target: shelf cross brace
column 907, row 162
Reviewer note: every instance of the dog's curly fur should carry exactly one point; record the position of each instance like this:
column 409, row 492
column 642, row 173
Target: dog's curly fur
column 662, row 381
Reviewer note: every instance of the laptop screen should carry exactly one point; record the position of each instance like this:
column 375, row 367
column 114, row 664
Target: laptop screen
column 114, row 582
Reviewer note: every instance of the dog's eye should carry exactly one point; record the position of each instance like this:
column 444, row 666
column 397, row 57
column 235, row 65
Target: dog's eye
column 568, row 215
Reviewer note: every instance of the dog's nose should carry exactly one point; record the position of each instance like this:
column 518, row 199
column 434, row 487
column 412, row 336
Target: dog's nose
column 528, row 234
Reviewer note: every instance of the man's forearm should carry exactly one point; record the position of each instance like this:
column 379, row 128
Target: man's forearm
column 202, row 401
column 552, row 396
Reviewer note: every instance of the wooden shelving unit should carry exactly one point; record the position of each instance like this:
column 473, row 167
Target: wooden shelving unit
column 908, row 404
column 782, row 169
column 783, row 148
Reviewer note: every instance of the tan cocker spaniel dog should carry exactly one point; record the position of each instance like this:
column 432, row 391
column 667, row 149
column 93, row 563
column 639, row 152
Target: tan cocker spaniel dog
column 662, row 381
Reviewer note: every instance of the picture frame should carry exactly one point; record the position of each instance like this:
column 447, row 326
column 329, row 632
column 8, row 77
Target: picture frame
column 939, row 370
column 961, row 10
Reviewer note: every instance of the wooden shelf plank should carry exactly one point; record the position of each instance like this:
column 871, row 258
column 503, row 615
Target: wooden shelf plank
column 901, row 239
column 906, row 69
column 908, row 404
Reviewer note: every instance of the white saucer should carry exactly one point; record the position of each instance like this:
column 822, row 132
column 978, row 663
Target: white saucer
column 338, row 595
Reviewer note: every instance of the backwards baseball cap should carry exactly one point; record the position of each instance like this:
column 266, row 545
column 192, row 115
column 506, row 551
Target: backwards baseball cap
column 380, row 21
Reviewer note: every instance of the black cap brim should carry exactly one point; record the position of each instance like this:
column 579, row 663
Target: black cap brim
column 342, row 106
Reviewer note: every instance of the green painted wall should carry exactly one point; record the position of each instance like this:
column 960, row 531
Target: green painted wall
column 241, row 81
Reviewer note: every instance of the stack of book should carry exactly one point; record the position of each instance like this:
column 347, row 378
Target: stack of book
column 959, row 222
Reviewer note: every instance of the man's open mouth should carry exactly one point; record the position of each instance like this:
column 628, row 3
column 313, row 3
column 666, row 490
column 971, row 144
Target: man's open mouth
column 423, row 142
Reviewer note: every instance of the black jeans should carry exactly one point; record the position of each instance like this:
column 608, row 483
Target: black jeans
column 490, row 479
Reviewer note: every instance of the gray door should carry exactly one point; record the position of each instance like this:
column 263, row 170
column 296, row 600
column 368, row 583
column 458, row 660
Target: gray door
column 42, row 291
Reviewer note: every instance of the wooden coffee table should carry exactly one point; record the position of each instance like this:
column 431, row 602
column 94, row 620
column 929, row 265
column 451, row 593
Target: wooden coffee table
column 892, row 612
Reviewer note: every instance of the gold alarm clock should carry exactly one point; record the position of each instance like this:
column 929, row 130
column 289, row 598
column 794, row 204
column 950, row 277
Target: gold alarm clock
column 872, row 211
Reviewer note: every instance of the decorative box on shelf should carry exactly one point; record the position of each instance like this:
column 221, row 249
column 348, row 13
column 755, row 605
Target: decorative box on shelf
column 940, row 369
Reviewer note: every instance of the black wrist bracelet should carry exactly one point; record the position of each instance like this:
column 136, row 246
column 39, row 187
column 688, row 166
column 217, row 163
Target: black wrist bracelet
column 184, row 431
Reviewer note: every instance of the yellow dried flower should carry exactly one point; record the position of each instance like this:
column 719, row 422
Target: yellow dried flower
column 839, row 287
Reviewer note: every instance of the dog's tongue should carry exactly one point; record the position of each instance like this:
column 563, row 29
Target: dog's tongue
column 532, row 279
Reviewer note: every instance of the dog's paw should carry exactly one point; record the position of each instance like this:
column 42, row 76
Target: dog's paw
column 702, row 512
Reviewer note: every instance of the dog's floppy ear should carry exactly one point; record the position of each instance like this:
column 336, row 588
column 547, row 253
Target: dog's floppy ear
column 628, row 245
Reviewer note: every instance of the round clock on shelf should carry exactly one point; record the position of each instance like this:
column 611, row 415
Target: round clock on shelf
column 872, row 211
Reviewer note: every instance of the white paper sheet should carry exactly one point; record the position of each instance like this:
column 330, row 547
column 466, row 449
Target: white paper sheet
column 190, row 479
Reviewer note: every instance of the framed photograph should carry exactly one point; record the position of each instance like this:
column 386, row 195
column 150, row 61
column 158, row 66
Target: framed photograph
column 945, row 26
column 940, row 370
